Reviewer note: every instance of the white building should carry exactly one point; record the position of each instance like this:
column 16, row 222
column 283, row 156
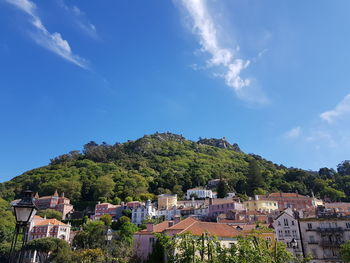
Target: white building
column 141, row 213
column 199, row 193
column 287, row 231
column 168, row 214
column 323, row 236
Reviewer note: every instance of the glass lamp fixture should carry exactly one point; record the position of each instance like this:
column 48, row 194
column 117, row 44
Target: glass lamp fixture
column 25, row 209
column 109, row 235
column 294, row 243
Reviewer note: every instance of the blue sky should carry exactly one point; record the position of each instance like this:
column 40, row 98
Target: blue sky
column 271, row 75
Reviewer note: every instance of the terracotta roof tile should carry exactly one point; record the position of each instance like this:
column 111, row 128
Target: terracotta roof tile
column 220, row 230
column 50, row 221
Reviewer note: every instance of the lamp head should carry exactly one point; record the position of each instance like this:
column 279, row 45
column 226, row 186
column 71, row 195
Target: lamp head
column 25, row 209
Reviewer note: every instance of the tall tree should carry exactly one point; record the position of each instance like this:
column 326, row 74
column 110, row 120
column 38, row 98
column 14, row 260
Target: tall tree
column 222, row 189
column 255, row 178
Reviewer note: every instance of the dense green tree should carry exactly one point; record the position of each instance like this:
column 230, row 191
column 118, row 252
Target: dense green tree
column 255, row 178
column 106, row 219
column 222, row 189
column 51, row 249
column 92, row 235
column 7, row 228
column 344, row 168
column 345, row 251
column 50, row 213
column 103, row 187
column 166, row 163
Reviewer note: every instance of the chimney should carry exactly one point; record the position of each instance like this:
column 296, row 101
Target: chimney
column 210, row 201
column 150, row 227
column 171, row 223
column 177, row 219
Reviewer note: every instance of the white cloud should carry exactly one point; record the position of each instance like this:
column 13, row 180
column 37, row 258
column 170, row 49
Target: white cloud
column 205, row 27
column 52, row 41
column 340, row 111
column 80, row 19
column 293, row 133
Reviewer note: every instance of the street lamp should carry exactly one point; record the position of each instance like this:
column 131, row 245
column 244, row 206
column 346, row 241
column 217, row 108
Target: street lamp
column 109, row 235
column 24, row 212
column 294, row 243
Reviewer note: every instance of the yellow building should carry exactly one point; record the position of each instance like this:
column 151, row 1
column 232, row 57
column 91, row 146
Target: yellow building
column 261, row 205
column 167, row 201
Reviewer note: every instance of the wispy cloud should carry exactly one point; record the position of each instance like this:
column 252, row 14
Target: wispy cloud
column 80, row 19
column 340, row 111
column 52, row 41
column 326, row 138
column 293, row 133
column 205, row 27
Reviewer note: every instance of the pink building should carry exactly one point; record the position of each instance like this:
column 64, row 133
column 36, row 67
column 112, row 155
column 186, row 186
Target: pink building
column 144, row 239
column 292, row 200
column 222, row 206
column 105, row 209
column 56, row 202
column 339, row 206
column 42, row 227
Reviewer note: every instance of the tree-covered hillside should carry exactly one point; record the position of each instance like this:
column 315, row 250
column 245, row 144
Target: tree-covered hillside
column 165, row 163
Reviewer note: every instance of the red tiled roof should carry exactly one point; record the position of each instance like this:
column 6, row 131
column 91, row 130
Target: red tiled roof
column 183, row 224
column 214, row 229
column 158, row 228
column 288, row 195
column 49, row 221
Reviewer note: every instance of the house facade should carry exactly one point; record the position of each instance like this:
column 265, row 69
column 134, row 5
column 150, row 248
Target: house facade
column 287, row 230
column 322, row 237
column 141, row 213
column 166, row 201
column 199, row 193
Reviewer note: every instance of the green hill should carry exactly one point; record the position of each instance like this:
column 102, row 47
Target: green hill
column 164, row 163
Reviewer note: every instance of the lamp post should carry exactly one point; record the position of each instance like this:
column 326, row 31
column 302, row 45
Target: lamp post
column 108, row 238
column 109, row 235
column 294, row 243
column 24, row 212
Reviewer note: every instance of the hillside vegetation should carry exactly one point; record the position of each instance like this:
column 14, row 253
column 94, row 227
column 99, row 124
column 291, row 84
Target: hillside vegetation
column 168, row 163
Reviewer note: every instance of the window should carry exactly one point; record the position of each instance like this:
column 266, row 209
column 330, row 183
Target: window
column 309, row 225
column 279, row 223
column 280, row 233
column 294, row 233
column 347, row 225
column 285, row 222
column 292, row 222
column 312, row 239
column 287, row 233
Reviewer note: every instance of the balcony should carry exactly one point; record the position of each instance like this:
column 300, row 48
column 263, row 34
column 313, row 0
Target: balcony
column 330, row 229
column 336, row 243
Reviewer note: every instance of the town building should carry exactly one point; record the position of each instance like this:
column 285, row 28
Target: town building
column 141, row 213
column 225, row 234
column 199, row 193
column 287, row 230
column 338, row 207
column 291, row 200
column 42, row 227
column 166, row 201
column 56, row 202
column 322, row 236
column 219, row 206
column 115, row 211
column 192, row 203
column 260, row 203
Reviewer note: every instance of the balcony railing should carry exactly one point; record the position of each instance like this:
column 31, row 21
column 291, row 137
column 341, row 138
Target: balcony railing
column 330, row 229
column 336, row 243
